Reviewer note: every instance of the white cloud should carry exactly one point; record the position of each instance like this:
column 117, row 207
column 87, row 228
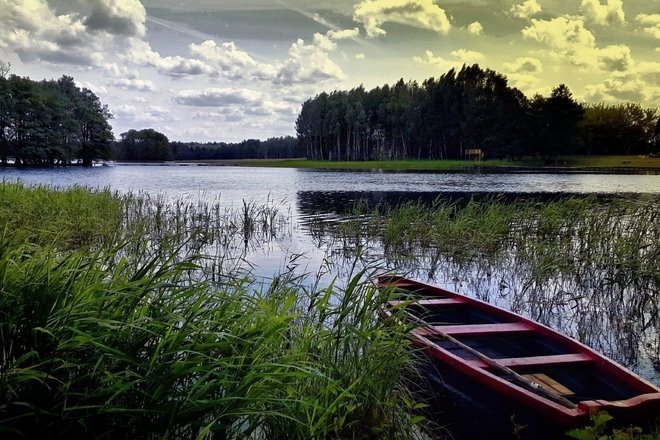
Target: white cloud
column 442, row 64
column 231, row 61
column 560, row 32
column 424, row 14
column 133, row 84
column 360, row 56
column 650, row 24
column 475, row 28
column 525, row 10
column 36, row 32
column 158, row 113
column 431, row 59
column 117, row 71
column 524, row 65
column 467, row 56
column 140, row 52
column 120, row 17
column 639, row 83
column 343, row 34
column 217, row 97
column 609, row 13
column 141, row 115
column 649, row 71
column 614, row 58
column 310, row 63
column 324, row 42
column 524, row 72
column 615, row 89
column 305, row 63
column 569, row 39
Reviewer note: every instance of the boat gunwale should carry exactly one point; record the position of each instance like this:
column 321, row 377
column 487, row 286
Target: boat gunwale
column 648, row 394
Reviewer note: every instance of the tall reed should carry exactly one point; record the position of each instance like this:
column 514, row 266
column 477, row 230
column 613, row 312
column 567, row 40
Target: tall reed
column 106, row 338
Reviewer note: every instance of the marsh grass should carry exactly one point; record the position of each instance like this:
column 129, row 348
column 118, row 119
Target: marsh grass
column 67, row 219
column 121, row 332
column 146, row 351
column 586, row 266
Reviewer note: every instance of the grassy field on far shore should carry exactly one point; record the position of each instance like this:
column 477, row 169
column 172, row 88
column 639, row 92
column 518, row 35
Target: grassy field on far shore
column 449, row 165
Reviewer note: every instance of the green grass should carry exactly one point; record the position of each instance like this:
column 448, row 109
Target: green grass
column 104, row 338
column 578, row 238
column 68, row 218
column 450, row 165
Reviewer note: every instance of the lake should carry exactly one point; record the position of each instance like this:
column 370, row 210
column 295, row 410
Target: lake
column 306, row 198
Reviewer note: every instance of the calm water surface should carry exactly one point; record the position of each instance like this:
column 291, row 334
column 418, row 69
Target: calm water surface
column 304, row 196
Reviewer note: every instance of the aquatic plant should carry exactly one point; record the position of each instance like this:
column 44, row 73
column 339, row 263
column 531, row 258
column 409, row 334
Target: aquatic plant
column 93, row 346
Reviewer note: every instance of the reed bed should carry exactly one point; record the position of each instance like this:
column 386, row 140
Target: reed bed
column 107, row 338
column 587, row 266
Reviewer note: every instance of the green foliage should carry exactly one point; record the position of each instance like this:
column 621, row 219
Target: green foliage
column 556, row 119
column 599, row 430
column 110, row 341
column 272, row 148
column 51, row 122
column 587, row 162
column 624, row 128
column 470, row 108
column 93, row 347
column 439, row 119
column 68, row 219
column 146, row 144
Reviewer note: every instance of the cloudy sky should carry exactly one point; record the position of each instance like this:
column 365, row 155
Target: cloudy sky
column 228, row 70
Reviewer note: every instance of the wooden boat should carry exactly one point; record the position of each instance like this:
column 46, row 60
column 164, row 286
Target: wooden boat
column 511, row 376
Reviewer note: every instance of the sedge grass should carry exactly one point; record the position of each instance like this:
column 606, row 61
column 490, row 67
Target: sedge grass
column 144, row 352
column 119, row 331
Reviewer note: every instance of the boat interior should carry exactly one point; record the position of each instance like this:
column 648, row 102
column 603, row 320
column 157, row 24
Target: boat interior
column 548, row 360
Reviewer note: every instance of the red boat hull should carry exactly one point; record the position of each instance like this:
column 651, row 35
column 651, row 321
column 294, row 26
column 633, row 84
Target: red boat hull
column 603, row 384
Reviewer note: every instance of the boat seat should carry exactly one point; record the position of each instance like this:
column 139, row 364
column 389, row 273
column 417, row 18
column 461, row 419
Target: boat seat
column 549, row 384
column 475, row 329
column 534, row 361
column 429, row 302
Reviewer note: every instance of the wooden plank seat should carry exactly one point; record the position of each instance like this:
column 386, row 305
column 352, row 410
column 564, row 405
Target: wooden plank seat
column 474, row 329
column 549, row 384
column 439, row 302
column 534, row 361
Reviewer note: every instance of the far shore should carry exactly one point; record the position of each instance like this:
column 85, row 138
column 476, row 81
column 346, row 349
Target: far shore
column 567, row 164
column 562, row 165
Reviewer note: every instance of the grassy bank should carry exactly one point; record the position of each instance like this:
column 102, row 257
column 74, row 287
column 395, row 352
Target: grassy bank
column 99, row 340
column 596, row 162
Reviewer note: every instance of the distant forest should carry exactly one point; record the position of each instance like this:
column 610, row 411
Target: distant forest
column 48, row 123
column 150, row 145
column 469, row 111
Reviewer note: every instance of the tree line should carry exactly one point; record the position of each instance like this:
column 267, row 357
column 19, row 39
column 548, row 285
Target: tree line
column 56, row 123
column 151, row 145
column 51, row 122
column 468, row 111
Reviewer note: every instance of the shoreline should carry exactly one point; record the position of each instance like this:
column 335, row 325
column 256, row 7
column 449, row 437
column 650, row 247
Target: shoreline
column 622, row 165
column 608, row 165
